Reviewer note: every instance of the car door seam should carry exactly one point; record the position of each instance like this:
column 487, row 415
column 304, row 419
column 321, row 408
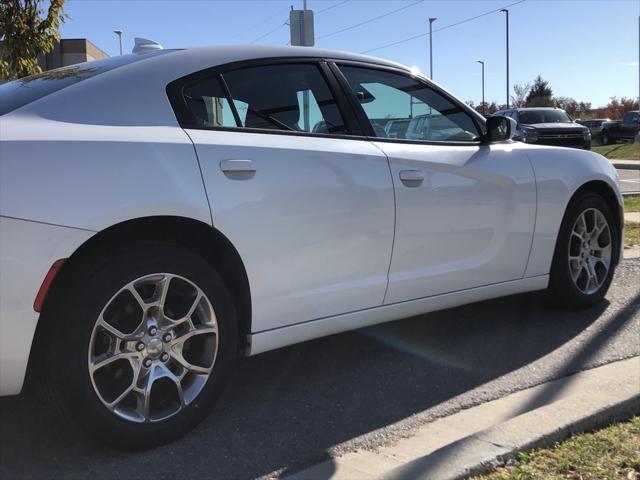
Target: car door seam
column 204, row 185
column 395, row 214
column 535, row 215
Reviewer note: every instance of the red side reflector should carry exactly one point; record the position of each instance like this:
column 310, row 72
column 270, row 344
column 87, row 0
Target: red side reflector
column 46, row 283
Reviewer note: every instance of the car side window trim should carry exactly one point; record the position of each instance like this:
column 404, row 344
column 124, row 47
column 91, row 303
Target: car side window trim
column 175, row 93
column 362, row 117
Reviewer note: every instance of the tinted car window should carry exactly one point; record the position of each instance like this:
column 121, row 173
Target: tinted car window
column 531, row 117
column 274, row 97
column 23, row 91
column 431, row 116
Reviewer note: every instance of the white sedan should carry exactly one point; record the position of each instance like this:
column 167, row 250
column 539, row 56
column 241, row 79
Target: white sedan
column 163, row 213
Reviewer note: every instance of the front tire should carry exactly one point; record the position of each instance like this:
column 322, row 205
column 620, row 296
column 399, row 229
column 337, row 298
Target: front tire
column 586, row 253
column 142, row 341
column 604, row 139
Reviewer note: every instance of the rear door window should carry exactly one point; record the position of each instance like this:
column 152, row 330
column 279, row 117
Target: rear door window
column 287, row 97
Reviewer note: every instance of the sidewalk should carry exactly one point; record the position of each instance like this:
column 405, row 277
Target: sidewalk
column 626, row 164
column 473, row 440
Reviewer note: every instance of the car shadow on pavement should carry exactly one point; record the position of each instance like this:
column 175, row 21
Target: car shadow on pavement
column 285, row 409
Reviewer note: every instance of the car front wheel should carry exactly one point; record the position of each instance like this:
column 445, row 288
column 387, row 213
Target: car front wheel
column 587, row 250
column 142, row 345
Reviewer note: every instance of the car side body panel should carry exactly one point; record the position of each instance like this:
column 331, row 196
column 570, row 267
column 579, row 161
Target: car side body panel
column 95, row 176
column 560, row 172
column 468, row 223
column 27, row 251
column 313, row 224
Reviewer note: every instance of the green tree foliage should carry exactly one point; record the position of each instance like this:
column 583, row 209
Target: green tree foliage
column 27, row 29
column 540, row 94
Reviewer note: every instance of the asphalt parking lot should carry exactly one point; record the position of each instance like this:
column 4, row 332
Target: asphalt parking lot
column 290, row 408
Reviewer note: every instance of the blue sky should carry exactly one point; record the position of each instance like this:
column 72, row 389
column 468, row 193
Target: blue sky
column 586, row 49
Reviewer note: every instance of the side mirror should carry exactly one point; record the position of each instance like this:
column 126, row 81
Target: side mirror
column 500, row 129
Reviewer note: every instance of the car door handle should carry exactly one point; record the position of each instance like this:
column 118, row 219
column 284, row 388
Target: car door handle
column 412, row 178
column 237, row 169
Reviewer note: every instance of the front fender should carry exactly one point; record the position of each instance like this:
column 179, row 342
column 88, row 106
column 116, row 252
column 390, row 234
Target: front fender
column 560, row 172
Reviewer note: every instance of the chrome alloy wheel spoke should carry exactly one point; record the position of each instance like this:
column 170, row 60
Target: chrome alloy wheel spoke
column 153, row 347
column 590, row 248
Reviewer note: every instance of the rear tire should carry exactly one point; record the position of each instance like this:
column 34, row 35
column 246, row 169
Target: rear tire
column 586, row 253
column 85, row 324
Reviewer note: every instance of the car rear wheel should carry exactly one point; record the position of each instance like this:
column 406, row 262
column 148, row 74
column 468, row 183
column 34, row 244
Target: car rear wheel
column 142, row 345
column 587, row 250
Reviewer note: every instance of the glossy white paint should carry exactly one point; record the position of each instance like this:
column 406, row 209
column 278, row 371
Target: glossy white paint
column 281, row 337
column 314, row 224
column 559, row 173
column 95, row 176
column 468, row 223
column 27, row 251
column 313, row 221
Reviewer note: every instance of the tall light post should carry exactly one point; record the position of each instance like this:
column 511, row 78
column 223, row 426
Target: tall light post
column 484, row 106
column 506, row 12
column 119, row 34
column 431, row 20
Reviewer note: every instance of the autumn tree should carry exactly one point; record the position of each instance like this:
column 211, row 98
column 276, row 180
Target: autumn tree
column 616, row 108
column 520, row 91
column 540, row 94
column 27, row 29
column 574, row 108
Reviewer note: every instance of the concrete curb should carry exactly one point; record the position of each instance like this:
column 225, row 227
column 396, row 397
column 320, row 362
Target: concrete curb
column 473, row 441
column 626, row 164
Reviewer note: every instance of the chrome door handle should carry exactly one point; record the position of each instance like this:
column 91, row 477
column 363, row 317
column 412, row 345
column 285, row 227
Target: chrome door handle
column 412, row 178
column 238, row 169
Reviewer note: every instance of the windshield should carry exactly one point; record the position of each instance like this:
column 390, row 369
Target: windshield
column 23, row 91
column 530, row 117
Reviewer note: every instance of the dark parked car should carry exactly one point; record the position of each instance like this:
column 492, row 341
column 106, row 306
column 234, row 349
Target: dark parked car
column 397, row 128
column 548, row 126
column 625, row 129
column 594, row 125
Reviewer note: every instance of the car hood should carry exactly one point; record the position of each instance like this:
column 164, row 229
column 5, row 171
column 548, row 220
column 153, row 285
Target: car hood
column 557, row 126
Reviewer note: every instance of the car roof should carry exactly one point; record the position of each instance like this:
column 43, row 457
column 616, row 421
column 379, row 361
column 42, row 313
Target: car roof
column 222, row 54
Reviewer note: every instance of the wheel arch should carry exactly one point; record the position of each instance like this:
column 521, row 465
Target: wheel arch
column 607, row 192
column 194, row 235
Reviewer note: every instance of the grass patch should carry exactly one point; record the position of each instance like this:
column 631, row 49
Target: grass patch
column 631, row 236
column 619, row 151
column 610, row 453
column 632, row 203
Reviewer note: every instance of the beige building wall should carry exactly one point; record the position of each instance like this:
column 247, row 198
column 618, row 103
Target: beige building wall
column 70, row 51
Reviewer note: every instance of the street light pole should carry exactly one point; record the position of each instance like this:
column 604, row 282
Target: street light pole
column 507, row 19
column 484, row 106
column 119, row 34
column 431, row 20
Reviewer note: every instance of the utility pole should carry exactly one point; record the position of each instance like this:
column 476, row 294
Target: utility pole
column 302, row 34
column 431, row 20
column 506, row 12
column 119, row 34
column 484, row 105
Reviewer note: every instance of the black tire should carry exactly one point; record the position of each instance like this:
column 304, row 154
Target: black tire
column 71, row 316
column 562, row 289
column 604, row 138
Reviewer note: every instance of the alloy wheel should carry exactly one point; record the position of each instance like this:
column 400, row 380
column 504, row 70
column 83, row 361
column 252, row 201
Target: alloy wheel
column 153, row 348
column 590, row 248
